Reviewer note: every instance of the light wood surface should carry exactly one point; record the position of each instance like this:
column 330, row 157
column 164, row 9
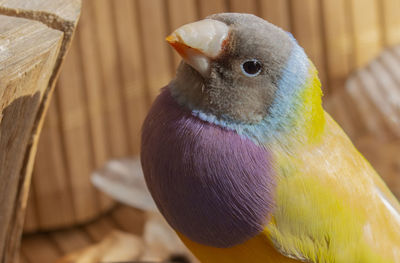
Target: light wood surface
column 34, row 40
column 49, row 247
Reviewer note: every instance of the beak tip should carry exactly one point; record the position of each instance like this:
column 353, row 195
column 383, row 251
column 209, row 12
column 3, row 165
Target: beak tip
column 171, row 39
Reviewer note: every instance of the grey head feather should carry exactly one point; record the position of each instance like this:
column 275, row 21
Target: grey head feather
column 228, row 93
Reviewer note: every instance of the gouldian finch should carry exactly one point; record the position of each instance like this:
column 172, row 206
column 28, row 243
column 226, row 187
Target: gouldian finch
column 247, row 167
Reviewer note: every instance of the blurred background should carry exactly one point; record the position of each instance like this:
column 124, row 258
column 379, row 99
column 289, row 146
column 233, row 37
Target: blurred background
column 117, row 64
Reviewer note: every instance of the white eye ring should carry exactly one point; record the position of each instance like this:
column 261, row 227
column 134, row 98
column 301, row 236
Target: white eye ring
column 251, row 67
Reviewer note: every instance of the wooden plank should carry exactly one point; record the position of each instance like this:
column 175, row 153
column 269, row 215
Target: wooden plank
column 23, row 80
column 391, row 62
column 209, row 7
column 306, row 21
column 391, row 21
column 386, row 94
column 131, row 70
column 240, row 6
column 350, row 99
column 55, row 194
column 70, row 99
column 39, row 249
column 180, row 13
column 22, row 259
column 66, row 14
column 88, row 46
column 105, row 31
column 367, row 34
column 156, row 59
column 64, row 10
column 383, row 114
column 70, row 240
column 129, row 219
column 31, row 223
column 337, row 107
column 89, row 50
column 276, row 12
column 338, row 41
column 100, row 228
column 361, row 103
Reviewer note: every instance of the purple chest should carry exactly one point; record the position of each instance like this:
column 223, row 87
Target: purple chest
column 211, row 184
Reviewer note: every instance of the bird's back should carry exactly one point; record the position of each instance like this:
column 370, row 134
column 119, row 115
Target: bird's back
column 331, row 206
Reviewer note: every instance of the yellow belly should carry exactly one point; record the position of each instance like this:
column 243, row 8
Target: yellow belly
column 255, row 250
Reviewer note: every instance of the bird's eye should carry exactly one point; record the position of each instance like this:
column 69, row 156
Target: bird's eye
column 251, row 68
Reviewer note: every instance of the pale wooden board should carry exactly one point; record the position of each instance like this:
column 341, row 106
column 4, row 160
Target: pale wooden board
column 180, row 13
column 209, row 7
column 339, row 46
column 100, row 145
column 30, row 223
column 116, row 123
column 129, row 219
column 240, row 6
column 276, row 12
column 23, row 79
column 70, row 240
column 386, row 95
column 366, row 33
column 39, row 248
column 51, row 188
column 22, row 259
column 363, row 106
column 307, row 29
column 89, row 50
column 391, row 21
column 379, row 110
column 64, row 20
column 100, row 228
column 336, row 106
column 47, row 248
column 75, row 135
column 131, row 70
column 65, row 10
column 158, row 70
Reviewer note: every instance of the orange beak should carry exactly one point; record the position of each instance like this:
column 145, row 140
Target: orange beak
column 199, row 42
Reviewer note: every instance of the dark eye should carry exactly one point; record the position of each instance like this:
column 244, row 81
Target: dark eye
column 251, row 68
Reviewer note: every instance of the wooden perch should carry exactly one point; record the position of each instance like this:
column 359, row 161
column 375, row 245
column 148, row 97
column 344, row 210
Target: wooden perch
column 34, row 38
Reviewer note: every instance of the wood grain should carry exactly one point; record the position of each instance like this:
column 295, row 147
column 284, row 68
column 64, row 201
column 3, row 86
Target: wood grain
column 39, row 248
column 55, row 192
column 74, row 130
column 131, row 70
column 112, row 91
column 94, row 99
column 366, row 33
column 391, row 21
column 209, row 7
column 158, row 69
column 240, row 6
column 308, row 31
column 23, row 80
column 30, row 75
column 276, row 12
column 338, row 41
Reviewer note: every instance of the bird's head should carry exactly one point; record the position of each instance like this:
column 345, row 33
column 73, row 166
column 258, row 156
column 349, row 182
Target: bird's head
column 242, row 72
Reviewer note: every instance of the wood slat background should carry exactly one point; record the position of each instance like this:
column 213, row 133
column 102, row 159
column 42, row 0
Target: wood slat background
column 119, row 61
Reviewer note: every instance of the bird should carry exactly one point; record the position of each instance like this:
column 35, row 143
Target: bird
column 244, row 163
